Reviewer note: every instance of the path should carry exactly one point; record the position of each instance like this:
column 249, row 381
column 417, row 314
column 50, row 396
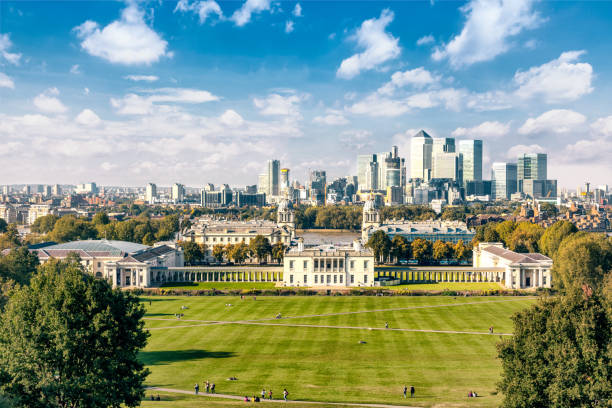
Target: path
column 239, row 398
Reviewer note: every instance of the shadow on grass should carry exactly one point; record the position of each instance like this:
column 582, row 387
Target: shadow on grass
column 156, row 299
column 167, row 357
column 179, row 284
column 159, row 314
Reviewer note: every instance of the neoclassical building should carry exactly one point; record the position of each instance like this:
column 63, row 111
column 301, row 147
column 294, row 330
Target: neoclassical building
column 432, row 230
column 329, row 265
column 522, row 271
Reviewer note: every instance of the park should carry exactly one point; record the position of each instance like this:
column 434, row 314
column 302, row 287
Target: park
column 328, row 349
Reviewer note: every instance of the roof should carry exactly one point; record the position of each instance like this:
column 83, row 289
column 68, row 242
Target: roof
column 516, row 257
column 100, row 246
column 422, row 133
column 329, row 250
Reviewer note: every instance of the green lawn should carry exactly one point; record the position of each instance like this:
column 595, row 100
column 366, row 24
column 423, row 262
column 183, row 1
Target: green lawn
column 439, row 286
column 219, row 285
column 329, row 363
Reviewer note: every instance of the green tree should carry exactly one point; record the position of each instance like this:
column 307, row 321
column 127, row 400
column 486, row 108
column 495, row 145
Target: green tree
column 3, row 225
column 100, row 218
column 70, row 228
column 70, row 340
column 278, row 252
column 218, row 252
column 400, row 248
column 192, row 252
column 549, row 209
column 380, row 244
column 461, row 251
column 18, row 265
column 239, row 252
column 525, row 237
column 505, row 229
column 560, row 355
column 260, row 247
column 43, row 225
column 583, row 258
column 553, row 236
column 10, row 239
column 441, row 250
column 491, row 234
column 422, row 250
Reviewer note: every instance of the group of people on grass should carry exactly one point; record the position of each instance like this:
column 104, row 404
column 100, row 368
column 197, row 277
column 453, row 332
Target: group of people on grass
column 412, row 390
column 209, row 387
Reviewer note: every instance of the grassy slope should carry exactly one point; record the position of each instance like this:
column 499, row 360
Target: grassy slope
column 330, row 364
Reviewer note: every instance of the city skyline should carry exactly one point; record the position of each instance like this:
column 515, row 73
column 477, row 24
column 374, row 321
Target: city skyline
column 200, row 95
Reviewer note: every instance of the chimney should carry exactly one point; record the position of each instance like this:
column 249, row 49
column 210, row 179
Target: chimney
column 300, row 245
column 357, row 245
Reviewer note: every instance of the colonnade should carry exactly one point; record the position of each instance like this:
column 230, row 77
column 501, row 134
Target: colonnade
column 185, row 275
column 441, row 276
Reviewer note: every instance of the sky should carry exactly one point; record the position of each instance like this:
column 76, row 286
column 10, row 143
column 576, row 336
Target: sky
column 199, row 91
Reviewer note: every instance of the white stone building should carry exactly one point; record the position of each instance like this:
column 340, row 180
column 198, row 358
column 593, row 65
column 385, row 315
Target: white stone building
column 329, row 266
column 523, row 271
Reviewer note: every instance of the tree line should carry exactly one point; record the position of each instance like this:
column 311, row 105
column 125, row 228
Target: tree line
column 259, row 247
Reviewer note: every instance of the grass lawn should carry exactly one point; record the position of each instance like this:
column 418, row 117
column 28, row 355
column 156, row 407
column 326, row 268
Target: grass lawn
column 448, row 286
column 329, row 363
column 219, row 285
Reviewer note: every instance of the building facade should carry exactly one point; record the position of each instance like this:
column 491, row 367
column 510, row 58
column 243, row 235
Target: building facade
column 471, row 155
column 421, row 146
column 504, row 180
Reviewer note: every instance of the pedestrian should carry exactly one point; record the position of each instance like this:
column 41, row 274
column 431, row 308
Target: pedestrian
column 491, row 330
column 270, row 394
column 207, row 386
column 212, row 388
column 263, row 393
column 197, row 388
column 411, row 391
column 149, row 302
column 285, row 394
column 405, row 391
column 386, row 325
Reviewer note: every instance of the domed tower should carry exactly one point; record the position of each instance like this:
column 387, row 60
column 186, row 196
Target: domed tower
column 371, row 215
column 285, row 215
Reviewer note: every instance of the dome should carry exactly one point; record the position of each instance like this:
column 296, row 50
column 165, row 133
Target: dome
column 370, row 205
column 285, row 205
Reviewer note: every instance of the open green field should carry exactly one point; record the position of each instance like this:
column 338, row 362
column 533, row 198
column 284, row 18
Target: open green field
column 219, row 285
column 440, row 345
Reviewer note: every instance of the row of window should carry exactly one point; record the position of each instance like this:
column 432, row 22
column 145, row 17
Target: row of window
column 328, row 264
column 327, row 279
column 238, row 239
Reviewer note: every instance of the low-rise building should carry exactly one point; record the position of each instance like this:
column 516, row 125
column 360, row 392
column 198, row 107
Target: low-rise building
column 523, row 271
column 329, row 265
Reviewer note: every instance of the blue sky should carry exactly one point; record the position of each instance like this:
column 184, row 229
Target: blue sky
column 125, row 93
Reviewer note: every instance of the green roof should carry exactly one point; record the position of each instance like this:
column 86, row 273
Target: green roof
column 114, row 247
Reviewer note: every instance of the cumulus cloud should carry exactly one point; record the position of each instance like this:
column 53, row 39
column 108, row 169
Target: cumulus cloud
column 333, row 117
column 145, row 78
column 49, row 103
column 204, row 9
column 243, row 15
column 135, row 104
column 426, row 40
column 489, row 26
column 603, row 126
column 519, row 150
column 279, row 105
column 108, row 166
column 5, row 45
column 418, row 77
column 297, row 10
column 288, row 26
column 486, row 130
column 87, row 117
column 378, row 46
column 554, row 121
column 356, row 139
column 128, row 41
column 560, row 80
column 6, row 81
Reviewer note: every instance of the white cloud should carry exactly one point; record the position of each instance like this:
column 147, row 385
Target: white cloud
column 489, row 26
column 288, row 26
column 5, row 45
column 426, row 40
column 145, row 78
column 243, row 15
column 486, row 130
column 6, row 81
column 86, row 91
column 203, row 9
column 554, row 121
column 87, row 117
column 297, row 10
column 332, row 118
column 603, row 126
column 128, row 41
column 418, row 77
column 231, row 118
column 276, row 104
column 519, row 150
column 559, row 80
column 134, row 104
column 75, row 69
column 378, row 46
column 108, row 166
column 48, row 103
column 356, row 139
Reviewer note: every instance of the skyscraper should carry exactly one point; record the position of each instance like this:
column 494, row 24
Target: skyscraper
column 273, row 177
column 504, row 180
column 363, row 167
column 532, row 166
column 443, row 145
column 447, row 165
column 178, row 192
column 284, row 179
column 471, row 151
column 420, row 156
column 150, row 193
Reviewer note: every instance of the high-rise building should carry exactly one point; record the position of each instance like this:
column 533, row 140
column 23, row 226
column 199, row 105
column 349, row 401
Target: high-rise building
column 421, row 146
column 262, row 183
column 86, row 188
column 447, row 165
column 6, row 190
column 363, row 167
column 273, row 177
column 56, row 190
column 443, row 145
column 471, row 151
column 284, row 179
column 150, row 193
column 532, row 166
column 178, row 192
column 504, row 180
column 371, row 177
column 318, row 182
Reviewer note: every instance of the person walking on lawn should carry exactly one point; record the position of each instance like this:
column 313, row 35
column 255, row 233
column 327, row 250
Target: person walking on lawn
column 405, row 391
column 285, row 394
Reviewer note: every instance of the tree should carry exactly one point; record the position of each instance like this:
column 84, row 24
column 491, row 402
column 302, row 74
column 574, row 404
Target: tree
column 70, row 228
column 505, row 229
column 70, row 340
column 559, row 355
column 549, row 209
column 400, row 248
column 260, row 247
column 239, row 252
column 583, row 258
column 441, row 250
column 491, row 235
column 218, row 252
column 10, row 239
column 100, row 218
column 43, row 225
column 3, row 225
column 553, row 236
column 18, row 265
column 192, row 252
column 380, row 244
column 461, row 251
column 421, row 250
column 278, row 252
column 525, row 237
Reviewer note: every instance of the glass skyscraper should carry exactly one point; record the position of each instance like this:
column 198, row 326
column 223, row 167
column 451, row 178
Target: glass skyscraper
column 421, row 146
column 504, row 180
column 471, row 151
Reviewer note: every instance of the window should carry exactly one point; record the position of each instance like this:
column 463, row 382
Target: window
column 322, row 279
column 99, row 264
column 329, row 264
column 365, row 265
column 365, row 278
column 352, row 264
column 305, row 265
column 290, row 264
column 341, row 263
column 118, row 278
column 290, row 278
column 352, row 278
column 543, row 280
column 316, row 263
column 214, row 239
column 328, row 278
column 341, row 278
column 335, row 263
column 305, row 279
column 335, row 278
column 316, row 279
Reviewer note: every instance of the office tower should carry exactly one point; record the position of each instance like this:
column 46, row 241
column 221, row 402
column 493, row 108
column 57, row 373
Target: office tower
column 56, row 190
column 382, row 170
column 6, row 190
column 504, row 180
column 471, row 151
column 532, row 166
column 420, row 156
column 393, row 171
column 284, row 179
column 86, row 188
column 363, row 167
column 27, row 190
column 150, row 193
column 318, row 182
column 262, row 183
column 371, row 177
column 273, row 177
column 443, row 145
column 178, row 192
column 447, row 166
